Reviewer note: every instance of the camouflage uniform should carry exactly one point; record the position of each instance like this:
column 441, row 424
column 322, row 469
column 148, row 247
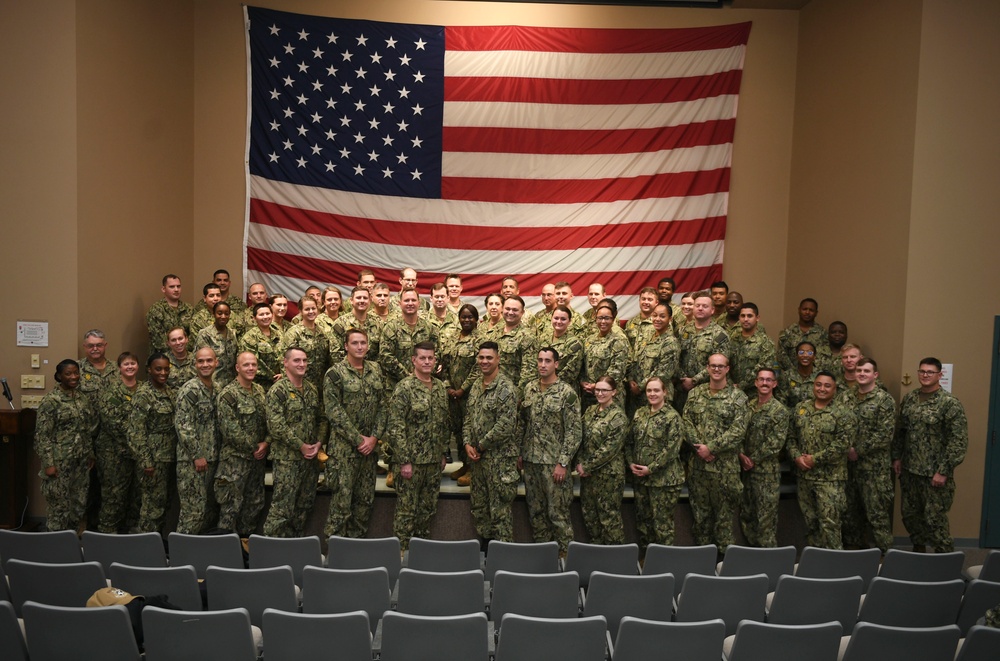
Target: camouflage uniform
column 571, row 354
column 459, row 366
column 197, row 438
column 325, row 323
column 552, row 433
column 226, row 349
column 749, row 355
column 64, row 438
column 317, row 348
column 541, row 322
column 827, row 360
column 447, row 326
column 654, row 355
column 826, row 434
column 518, row 352
column 792, row 336
column 180, row 371
column 372, row 325
column 354, row 401
column 767, row 433
column 491, row 427
column 239, row 321
column 420, row 435
column 696, row 347
column 602, row 455
column 202, row 317
column 161, row 317
column 655, row 441
column 268, row 353
column 932, row 437
column 293, row 419
column 638, row 329
column 605, row 356
column 115, row 466
column 92, row 380
column 795, row 388
column 152, row 440
column 396, row 348
column 870, row 483
column 239, row 477
column 718, row 420
column 992, row 617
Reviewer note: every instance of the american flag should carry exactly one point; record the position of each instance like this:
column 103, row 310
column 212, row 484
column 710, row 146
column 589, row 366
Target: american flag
column 585, row 155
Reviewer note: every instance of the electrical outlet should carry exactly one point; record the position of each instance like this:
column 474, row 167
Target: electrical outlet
column 32, row 382
column 30, row 401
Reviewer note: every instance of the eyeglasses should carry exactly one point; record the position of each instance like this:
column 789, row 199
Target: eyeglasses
column 97, row 345
column 928, row 372
column 603, row 318
column 807, row 353
column 717, row 367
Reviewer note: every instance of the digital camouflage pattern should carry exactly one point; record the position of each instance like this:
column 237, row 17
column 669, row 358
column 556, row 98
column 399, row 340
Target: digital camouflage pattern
column 749, row 355
column 115, row 466
column 792, row 336
column 655, row 439
column 602, row 455
column 697, row 346
column 226, row 348
column 655, row 355
column 767, row 434
column 65, row 431
column 161, row 317
column 870, row 480
column 239, row 477
column 313, row 341
column 152, row 439
column 396, row 348
column 268, row 353
column 197, row 438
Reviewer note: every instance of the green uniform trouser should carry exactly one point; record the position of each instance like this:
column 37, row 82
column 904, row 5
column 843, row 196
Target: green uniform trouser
column 870, row 495
column 119, row 490
column 351, row 478
column 199, row 510
column 66, row 495
column 416, row 502
column 601, row 502
column 494, row 487
column 548, row 504
column 654, row 513
column 714, row 496
column 295, row 483
column 759, row 507
column 925, row 511
column 154, row 491
column 239, row 491
column 822, row 503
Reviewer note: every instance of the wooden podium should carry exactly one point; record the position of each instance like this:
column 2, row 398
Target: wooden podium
column 17, row 433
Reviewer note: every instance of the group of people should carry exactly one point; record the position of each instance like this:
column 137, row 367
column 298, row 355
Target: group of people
column 693, row 393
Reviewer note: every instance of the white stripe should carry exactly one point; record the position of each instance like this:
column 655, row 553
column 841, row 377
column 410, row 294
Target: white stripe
column 438, row 260
column 588, row 117
column 487, row 214
column 599, row 66
column 582, row 167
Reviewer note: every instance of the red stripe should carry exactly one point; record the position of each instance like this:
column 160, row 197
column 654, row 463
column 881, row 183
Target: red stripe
column 595, row 40
column 555, row 141
column 551, row 90
column 477, row 237
column 615, row 282
column 573, row 191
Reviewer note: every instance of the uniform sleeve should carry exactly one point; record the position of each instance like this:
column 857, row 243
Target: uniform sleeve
column 386, row 357
column 956, row 429
column 881, row 437
column 277, row 424
column 138, row 439
column 609, row 443
column 396, row 426
column 731, row 439
column 45, row 428
column 529, row 365
column 677, row 433
column 342, row 427
column 793, row 445
column 899, row 436
column 504, row 419
column 779, row 422
column 843, row 437
column 185, row 421
column 228, row 419
column 720, row 344
column 572, row 428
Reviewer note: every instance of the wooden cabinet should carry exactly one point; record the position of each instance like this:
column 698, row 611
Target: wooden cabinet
column 17, row 432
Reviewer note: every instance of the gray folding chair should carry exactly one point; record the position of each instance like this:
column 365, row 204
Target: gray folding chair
column 443, row 556
column 535, row 595
column 525, row 638
column 350, row 553
column 178, row 584
column 56, row 633
column 440, row 593
column 981, row 644
column 641, row 640
column 926, row 567
column 759, row 641
column 200, row 551
column 523, row 558
column 60, row 546
column 139, row 550
column 817, row 562
column 171, row 635
column 408, row 637
column 296, row 552
column 731, row 598
column 747, row 561
column 910, row 604
column 298, row 636
column 346, row 590
column 56, row 584
column 680, row 561
column 252, row 589
column 873, row 641
column 11, row 638
column 615, row 596
column 800, row 600
column 585, row 559
column 980, row 596
column 988, row 571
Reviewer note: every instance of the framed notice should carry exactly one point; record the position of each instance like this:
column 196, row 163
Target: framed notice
column 32, row 333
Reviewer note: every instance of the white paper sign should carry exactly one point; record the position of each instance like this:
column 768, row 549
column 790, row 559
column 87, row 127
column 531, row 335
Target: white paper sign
column 947, row 374
column 32, row 333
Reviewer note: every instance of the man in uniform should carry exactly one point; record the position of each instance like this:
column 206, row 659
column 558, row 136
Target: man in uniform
column 168, row 312
column 443, row 319
column 239, row 477
column 294, row 419
column 542, row 319
column 640, row 327
column 552, row 428
column 595, row 293
column 197, row 446
column 719, row 291
column 222, row 340
column 236, row 303
column 752, row 349
column 380, row 306
column 820, row 435
column 731, row 322
column 564, row 296
column 420, row 434
column 517, row 344
column 359, row 318
column 401, row 334
column 767, row 432
column 354, row 394
column 870, row 483
column 931, row 440
column 699, row 341
column 96, row 370
column 202, row 316
column 509, row 286
column 804, row 330
column 717, row 415
column 453, row 283
column 490, row 432
column 828, row 355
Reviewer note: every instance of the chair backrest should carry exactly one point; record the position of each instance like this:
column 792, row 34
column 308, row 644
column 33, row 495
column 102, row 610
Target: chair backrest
column 926, row 567
column 817, row 562
column 408, row 637
column 535, row 595
column 200, row 551
column 980, row 596
column 346, row 590
column 184, row 635
column 585, row 559
column 441, row 555
column 350, row 553
column 61, row 546
column 731, row 598
column 615, row 596
column 680, row 561
column 981, row 644
column 800, row 600
column 989, row 570
column 298, row 636
column 757, row 641
column 178, row 584
column 873, row 641
column 440, row 593
column 640, row 640
column 11, row 638
column 747, row 560
column 525, row 638
column 56, row 584
column 911, row 604
column 523, row 558
column 139, row 550
column 252, row 589
column 55, row 633
column 296, row 552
